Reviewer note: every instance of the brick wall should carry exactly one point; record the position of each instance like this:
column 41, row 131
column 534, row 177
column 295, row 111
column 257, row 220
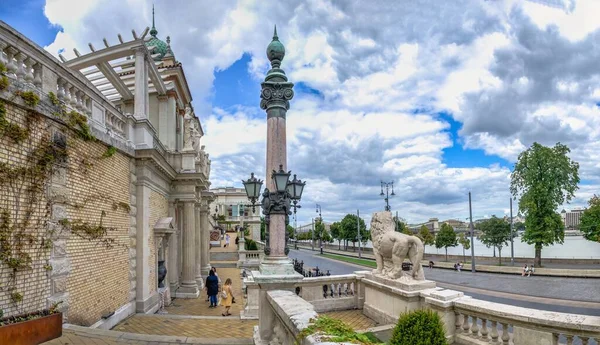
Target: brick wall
column 159, row 208
column 32, row 284
column 97, row 278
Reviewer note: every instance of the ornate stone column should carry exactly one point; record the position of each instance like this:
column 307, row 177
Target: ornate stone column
column 189, row 287
column 172, row 270
column 198, row 230
column 275, row 96
column 205, row 238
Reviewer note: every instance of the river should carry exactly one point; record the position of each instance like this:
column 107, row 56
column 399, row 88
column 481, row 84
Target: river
column 574, row 247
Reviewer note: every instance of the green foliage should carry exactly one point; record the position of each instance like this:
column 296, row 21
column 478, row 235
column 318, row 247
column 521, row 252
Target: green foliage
column 3, row 82
column 290, row 231
column 110, row 151
column 250, row 245
column 445, row 238
column 402, row 226
column 16, row 297
column 350, row 228
column 2, row 68
column 419, row 327
column 333, row 330
column 78, row 123
column 15, row 132
column 544, row 178
column 321, row 232
column 335, row 230
column 495, row 232
column 590, row 220
column 121, row 205
column 426, row 236
column 89, row 231
column 352, row 260
column 53, row 99
column 30, row 98
column 465, row 242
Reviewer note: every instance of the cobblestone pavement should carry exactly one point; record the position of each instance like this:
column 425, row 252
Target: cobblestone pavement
column 353, row 318
column 188, row 327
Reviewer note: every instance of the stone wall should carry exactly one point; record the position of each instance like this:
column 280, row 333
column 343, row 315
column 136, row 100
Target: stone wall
column 34, row 284
column 159, row 208
column 89, row 277
column 99, row 278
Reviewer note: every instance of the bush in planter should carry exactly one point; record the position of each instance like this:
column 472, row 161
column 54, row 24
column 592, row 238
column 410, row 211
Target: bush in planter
column 419, row 327
column 251, row 245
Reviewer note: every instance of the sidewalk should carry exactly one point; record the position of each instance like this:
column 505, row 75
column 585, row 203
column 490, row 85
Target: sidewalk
column 553, row 270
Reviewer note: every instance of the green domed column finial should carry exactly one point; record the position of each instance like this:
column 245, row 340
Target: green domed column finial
column 275, row 33
column 275, row 50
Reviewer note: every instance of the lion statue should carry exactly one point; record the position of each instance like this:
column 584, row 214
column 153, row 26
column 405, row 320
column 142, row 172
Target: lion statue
column 391, row 247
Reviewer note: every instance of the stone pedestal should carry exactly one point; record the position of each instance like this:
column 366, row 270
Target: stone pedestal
column 189, row 287
column 269, row 282
column 386, row 299
column 188, row 161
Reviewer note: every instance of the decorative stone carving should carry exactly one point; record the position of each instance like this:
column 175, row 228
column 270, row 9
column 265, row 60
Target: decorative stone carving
column 187, row 129
column 391, row 248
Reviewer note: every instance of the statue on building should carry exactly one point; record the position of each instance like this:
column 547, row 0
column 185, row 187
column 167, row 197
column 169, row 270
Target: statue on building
column 195, row 137
column 187, row 132
column 391, row 248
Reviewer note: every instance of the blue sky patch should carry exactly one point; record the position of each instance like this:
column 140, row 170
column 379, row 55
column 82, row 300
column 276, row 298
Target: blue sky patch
column 28, row 18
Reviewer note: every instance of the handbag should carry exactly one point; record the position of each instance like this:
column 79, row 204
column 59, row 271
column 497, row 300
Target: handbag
column 224, row 294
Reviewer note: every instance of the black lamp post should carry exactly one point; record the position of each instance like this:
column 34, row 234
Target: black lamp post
column 278, row 201
column 387, row 186
column 321, row 222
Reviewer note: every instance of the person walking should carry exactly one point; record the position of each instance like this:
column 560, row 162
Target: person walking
column 226, row 297
column 212, row 288
column 227, row 238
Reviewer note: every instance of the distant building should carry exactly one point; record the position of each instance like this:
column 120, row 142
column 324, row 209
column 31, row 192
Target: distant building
column 432, row 224
column 458, row 225
column 232, row 205
column 308, row 227
column 571, row 218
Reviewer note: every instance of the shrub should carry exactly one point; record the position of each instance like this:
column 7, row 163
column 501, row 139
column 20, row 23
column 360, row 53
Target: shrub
column 419, row 327
column 334, row 330
column 30, row 98
column 251, row 245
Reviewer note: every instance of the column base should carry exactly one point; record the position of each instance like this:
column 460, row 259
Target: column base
column 188, row 291
column 204, row 270
column 200, row 282
column 278, row 265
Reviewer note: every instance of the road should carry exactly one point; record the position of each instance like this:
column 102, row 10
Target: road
column 566, row 295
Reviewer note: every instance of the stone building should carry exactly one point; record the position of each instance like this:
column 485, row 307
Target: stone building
column 126, row 190
column 571, row 219
column 231, row 209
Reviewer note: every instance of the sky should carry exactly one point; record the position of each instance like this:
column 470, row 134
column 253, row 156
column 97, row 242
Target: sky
column 439, row 97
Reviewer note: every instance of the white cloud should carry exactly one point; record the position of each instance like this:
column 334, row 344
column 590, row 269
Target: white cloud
column 509, row 72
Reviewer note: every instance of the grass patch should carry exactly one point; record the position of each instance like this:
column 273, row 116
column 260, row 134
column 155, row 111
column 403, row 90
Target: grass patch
column 357, row 261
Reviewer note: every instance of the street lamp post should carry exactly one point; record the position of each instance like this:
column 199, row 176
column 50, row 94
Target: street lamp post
column 320, row 222
column 387, row 186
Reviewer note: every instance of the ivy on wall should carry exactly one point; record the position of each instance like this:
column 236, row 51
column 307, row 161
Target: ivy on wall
column 26, row 230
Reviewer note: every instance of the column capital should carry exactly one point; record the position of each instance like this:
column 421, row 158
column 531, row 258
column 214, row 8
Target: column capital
column 163, row 98
column 139, row 50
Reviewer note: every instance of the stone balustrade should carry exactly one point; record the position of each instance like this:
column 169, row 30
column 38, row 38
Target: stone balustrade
column 329, row 293
column 31, row 68
column 481, row 322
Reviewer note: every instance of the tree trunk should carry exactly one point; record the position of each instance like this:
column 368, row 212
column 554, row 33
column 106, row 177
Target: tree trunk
column 339, row 244
column 538, row 255
column 446, row 254
column 494, row 251
column 464, row 257
column 500, row 256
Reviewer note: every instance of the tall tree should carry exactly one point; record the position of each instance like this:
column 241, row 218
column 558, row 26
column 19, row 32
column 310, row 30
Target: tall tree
column 336, row 232
column 445, row 238
column 401, row 225
column 290, row 231
column 426, row 236
column 465, row 242
column 350, row 231
column 590, row 220
column 495, row 232
column 544, row 178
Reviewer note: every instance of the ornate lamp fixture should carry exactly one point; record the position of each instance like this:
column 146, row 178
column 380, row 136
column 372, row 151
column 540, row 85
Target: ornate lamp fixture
column 277, row 201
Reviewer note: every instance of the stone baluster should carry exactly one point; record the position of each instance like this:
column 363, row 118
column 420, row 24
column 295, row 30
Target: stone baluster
column 79, row 99
column 28, row 70
column 505, row 335
column 60, row 83
column 67, row 93
column 3, row 46
column 569, row 339
column 73, row 97
column 37, row 74
column 87, row 104
column 11, row 66
column 466, row 326
column 458, row 317
column 484, row 329
column 584, row 340
column 20, row 57
column 494, row 334
column 474, row 327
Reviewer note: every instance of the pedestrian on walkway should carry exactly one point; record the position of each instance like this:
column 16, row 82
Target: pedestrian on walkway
column 430, row 264
column 227, row 238
column 226, row 297
column 212, row 288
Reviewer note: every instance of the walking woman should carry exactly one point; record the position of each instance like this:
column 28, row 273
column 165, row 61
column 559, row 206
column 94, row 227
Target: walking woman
column 212, row 288
column 226, row 297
